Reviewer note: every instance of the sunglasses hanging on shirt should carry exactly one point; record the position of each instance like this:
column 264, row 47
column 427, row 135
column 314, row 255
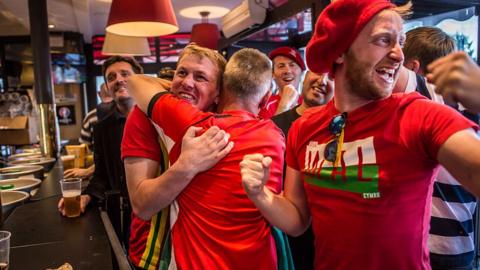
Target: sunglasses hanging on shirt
column 333, row 149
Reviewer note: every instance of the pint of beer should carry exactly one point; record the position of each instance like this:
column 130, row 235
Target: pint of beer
column 71, row 191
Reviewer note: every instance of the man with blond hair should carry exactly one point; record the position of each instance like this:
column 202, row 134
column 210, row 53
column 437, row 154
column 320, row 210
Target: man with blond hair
column 152, row 183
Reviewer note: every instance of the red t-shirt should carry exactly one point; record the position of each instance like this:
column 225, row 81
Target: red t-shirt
column 374, row 211
column 271, row 107
column 218, row 227
column 140, row 139
column 147, row 237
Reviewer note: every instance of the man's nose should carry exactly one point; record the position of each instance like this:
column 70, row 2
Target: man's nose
column 188, row 81
column 396, row 53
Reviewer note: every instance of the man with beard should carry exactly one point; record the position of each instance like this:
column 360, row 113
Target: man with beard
column 365, row 161
column 152, row 184
column 217, row 226
column 288, row 67
column 317, row 90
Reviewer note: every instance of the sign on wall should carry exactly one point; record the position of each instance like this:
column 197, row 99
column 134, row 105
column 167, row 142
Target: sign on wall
column 66, row 115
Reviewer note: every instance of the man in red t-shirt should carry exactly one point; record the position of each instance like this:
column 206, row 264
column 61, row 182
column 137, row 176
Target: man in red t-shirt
column 362, row 166
column 288, row 68
column 218, row 227
column 150, row 185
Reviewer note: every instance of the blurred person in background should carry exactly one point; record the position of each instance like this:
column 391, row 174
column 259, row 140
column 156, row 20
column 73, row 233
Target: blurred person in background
column 451, row 241
column 109, row 174
column 86, row 132
column 288, row 67
column 166, row 73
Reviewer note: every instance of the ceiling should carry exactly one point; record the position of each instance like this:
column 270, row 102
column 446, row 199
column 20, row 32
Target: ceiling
column 89, row 17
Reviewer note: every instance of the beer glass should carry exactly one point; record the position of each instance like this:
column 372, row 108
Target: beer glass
column 4, row 249
column 71, row 191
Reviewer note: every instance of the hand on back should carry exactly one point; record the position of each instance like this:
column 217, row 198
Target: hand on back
column 203, row 152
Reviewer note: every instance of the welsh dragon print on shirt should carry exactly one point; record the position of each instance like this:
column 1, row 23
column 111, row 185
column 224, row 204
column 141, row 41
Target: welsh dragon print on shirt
column 358, row 171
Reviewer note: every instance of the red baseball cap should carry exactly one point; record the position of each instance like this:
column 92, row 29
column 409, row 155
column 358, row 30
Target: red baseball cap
column 337, row 27
column 290, row 53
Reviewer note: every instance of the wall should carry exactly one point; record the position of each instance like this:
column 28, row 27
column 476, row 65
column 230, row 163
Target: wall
column 70, row 95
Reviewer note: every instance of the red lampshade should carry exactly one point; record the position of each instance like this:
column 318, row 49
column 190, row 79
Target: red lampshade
column 142, row 18
column 206, row 35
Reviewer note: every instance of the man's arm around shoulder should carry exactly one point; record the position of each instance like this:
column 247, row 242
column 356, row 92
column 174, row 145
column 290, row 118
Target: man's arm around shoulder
column 143, row 88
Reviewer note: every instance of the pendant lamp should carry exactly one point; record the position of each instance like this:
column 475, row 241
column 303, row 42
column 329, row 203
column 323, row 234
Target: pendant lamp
column 125, row 45
column 142, row 18
column 205, row 34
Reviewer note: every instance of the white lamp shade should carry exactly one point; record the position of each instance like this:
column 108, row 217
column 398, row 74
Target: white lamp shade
column 125, row 45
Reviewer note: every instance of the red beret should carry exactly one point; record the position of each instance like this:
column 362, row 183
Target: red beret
column 337, row 27
column 290, row 53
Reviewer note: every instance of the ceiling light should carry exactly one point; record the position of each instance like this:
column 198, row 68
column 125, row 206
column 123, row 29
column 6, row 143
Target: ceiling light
column 125, row 45
column 51, row 25
column 194, row 12
column 205, row 34
column 146, row 19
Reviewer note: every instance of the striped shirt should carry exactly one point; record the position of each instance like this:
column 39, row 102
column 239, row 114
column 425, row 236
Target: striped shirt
column 86, row 133
column 451, row 241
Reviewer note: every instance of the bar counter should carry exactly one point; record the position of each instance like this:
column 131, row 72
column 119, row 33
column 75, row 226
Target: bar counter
column 42, row 238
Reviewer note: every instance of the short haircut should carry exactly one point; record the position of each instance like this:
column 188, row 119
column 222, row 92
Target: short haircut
column 426, row 44
column 214, row 56
column 117, row 58
column 248, row 74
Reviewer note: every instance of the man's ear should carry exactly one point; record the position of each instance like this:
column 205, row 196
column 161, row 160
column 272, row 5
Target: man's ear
column 264, row 100
column 413, row 65
column 340, row 59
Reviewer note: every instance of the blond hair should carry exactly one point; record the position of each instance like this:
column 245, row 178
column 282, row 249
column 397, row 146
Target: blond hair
column 248, row 74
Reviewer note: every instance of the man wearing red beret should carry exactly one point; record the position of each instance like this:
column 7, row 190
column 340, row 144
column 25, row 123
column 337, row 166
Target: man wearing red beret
column 288, row 66
column 361, row 167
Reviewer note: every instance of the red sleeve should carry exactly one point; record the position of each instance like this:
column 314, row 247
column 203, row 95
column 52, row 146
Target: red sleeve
column 436, row 124
column 268, row 111
column 174, row 115
column 292, row 137
column 140, row 138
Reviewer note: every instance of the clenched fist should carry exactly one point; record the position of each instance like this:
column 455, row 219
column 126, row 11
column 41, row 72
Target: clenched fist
column 255, row 171
column 457, row 78
column 288, row 98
